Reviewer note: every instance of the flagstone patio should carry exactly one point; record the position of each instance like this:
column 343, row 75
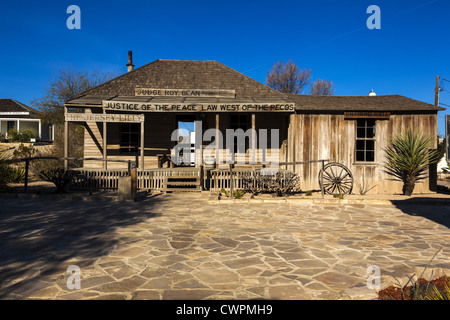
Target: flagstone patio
column 180, row 246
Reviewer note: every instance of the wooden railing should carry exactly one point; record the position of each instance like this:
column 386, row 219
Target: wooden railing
column 220, row 178
column 93, row 179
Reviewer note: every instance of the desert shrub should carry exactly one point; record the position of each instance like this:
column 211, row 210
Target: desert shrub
column 225, row 192
column 238, row 194
column 364, row 186
column 24, row 151
column 4, row 172
column 280, row 183
column 58, row 176
column 419, row 288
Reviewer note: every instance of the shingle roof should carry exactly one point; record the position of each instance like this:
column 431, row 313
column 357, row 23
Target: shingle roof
column 360, row 103
column 181, row 74
column 11, row 105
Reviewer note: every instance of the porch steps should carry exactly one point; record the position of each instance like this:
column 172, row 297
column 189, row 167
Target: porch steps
column 182, row 184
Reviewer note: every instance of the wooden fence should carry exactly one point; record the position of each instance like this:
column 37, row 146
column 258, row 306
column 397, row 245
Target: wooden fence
column 220, row 178
column 94, row 179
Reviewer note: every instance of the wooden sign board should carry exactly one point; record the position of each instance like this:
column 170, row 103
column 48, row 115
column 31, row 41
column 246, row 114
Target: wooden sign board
column 104, row 117
column 199, row 107
column 367, row 114
column 215, row 93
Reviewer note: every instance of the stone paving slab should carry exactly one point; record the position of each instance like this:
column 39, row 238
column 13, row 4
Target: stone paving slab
column 181, row 246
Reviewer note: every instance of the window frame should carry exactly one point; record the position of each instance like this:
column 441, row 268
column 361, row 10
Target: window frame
column 365, row 139
column 128, row 147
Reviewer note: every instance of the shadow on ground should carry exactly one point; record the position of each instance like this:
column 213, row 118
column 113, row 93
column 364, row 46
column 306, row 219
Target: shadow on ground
column 434, row 209
column 37, row 237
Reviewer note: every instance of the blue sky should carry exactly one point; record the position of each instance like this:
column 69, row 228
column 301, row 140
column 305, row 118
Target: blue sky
column 329, row 37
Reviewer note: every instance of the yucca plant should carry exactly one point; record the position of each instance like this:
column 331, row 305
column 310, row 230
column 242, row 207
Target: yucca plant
column 16, row 174
column 408, row 156
column 4, row 171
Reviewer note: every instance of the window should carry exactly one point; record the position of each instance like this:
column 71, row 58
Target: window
column 129, row 137
column 365, row 140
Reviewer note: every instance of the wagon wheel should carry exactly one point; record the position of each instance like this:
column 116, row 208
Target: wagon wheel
column 337, row 179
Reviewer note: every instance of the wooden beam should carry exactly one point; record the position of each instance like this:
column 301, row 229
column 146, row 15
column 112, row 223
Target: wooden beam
column 105, row 145
column 66, row 141
column 253, row 150
column 217, row 139
column 142, row 146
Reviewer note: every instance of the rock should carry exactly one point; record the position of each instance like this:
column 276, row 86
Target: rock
column 288, row 292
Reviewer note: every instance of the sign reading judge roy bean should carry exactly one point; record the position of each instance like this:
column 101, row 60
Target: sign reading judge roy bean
column 199, row 107
column 225, row 93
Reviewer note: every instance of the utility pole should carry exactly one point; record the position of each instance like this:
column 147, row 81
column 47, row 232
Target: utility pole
column 436, row 92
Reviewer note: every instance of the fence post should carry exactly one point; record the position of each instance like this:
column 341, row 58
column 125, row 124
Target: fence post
column 134, row 183
column 27, row 164
column 231, row 181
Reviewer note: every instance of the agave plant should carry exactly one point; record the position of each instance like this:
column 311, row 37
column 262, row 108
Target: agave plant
column 408, row 156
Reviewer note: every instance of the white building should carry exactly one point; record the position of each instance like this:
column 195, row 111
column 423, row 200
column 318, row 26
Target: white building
column 14, row 114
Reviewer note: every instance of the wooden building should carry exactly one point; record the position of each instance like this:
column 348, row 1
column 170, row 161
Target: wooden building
column 133, row 116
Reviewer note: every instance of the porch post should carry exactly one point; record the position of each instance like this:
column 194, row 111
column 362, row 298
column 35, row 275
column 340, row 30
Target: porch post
column 105, row 144
column 142, row 146
column 217, row 140
column 253, row 150
column 39, row 127
column 66, row 140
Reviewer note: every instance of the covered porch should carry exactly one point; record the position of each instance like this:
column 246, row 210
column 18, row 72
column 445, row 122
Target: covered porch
column 18, row 124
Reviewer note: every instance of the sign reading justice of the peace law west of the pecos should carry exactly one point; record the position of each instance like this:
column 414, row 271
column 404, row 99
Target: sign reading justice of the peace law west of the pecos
column 217, row 93
column 104, row 117
column 198, row 107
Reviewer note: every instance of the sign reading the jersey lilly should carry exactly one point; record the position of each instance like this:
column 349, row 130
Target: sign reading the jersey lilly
column 99, row 117
column 199, row 107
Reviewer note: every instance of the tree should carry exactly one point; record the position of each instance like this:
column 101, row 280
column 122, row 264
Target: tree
column 322, row 88
column 288, row 77
column 67, row 84
column 408, row 156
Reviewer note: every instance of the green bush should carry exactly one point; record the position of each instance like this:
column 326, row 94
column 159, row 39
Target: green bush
column 237, row 194
column 24, row 135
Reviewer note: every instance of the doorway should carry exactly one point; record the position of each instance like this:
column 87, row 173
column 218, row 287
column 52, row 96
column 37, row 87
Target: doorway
column 186, row 135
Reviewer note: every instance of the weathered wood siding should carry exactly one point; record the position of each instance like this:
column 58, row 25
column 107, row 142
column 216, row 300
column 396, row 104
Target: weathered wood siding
column 330, row 136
